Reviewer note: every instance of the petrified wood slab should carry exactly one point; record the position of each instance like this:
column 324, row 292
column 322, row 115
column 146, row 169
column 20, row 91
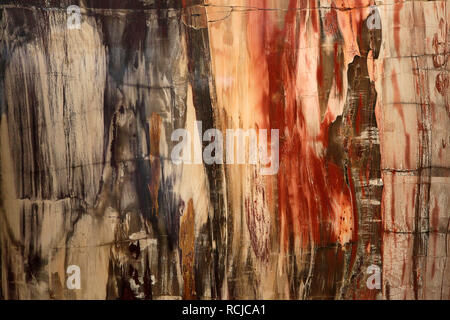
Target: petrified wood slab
column 358, row 91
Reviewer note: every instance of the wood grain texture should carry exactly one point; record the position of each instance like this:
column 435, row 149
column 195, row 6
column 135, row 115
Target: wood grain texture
column 87, row 179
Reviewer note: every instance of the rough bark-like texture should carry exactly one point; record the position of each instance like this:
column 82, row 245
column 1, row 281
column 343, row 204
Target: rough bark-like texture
column 87, row 179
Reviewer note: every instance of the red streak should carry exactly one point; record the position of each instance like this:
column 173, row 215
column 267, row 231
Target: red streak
column 308, row 185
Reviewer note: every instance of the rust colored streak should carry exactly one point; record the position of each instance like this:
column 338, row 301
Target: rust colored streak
column 187, row 246
column 331, row 26
column 155, row 164
column 337, row 68
column 155, row 134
